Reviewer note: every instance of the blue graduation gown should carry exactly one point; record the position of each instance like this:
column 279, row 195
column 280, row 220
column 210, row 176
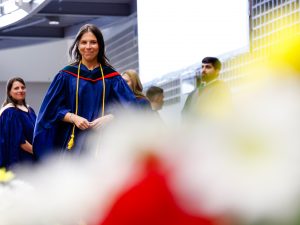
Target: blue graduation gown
column 143, row 103
column 16, row 126
column 51, row 134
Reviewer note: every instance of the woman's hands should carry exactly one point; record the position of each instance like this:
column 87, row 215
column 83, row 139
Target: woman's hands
column 27, row 147
column 80, row 122
column 101, row 121
column 84, row 124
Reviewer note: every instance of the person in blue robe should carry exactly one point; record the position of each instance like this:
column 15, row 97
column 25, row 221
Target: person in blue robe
column 82, row 97
column 133, row 80
column 16, row 126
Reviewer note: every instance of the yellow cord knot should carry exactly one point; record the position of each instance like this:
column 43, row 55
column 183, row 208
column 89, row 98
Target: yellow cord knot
column 5, row 176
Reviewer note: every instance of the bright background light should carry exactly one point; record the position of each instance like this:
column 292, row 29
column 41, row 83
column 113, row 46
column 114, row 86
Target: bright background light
column 174, row 34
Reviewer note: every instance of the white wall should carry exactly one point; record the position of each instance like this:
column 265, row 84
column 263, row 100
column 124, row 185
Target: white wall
column 38, row 63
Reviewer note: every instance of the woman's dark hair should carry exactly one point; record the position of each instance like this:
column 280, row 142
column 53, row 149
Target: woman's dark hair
column 9, row 98
column 74, row 52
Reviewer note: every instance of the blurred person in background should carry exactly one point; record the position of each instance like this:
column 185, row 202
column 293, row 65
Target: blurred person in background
column 17, row 121
column 156, row 97
column 212, row 97
column 82, row 97
column 133, row 80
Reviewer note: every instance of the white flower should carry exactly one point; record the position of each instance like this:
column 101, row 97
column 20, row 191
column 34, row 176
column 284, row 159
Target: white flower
column 249, row 165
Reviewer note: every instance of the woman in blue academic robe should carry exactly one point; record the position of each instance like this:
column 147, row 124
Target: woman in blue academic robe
column 81, row 97
column 16, row 126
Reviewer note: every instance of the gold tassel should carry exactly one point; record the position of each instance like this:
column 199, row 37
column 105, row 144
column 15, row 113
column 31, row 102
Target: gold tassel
column 71, row 142
column 5, row 176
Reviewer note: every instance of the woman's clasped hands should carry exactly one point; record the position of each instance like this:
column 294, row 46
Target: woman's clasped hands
column 84, row 124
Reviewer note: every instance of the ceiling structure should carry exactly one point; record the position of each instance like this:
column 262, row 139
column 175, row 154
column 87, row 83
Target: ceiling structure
column 56, row 19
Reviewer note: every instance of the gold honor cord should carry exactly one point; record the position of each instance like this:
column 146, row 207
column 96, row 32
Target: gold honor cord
column 71, row 141
column 103, row 92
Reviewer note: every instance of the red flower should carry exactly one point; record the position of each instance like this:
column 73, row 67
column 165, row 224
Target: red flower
column 151, row 202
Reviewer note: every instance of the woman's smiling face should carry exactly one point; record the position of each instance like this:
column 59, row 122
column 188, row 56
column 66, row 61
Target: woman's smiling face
column 88, row 47
column 18, row 91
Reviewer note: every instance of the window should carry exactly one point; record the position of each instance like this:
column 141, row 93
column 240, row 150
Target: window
column 293, row 6
column 267, row 6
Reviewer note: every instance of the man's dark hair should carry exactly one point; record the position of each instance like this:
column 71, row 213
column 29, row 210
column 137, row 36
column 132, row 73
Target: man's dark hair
column 153, row 91
column 214, row 61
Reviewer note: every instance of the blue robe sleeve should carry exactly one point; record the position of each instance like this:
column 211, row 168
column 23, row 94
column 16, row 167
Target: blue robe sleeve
column 123, row 93
column 32, row 114
column 53, row 109
column 11, row 137
column 144, row 103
